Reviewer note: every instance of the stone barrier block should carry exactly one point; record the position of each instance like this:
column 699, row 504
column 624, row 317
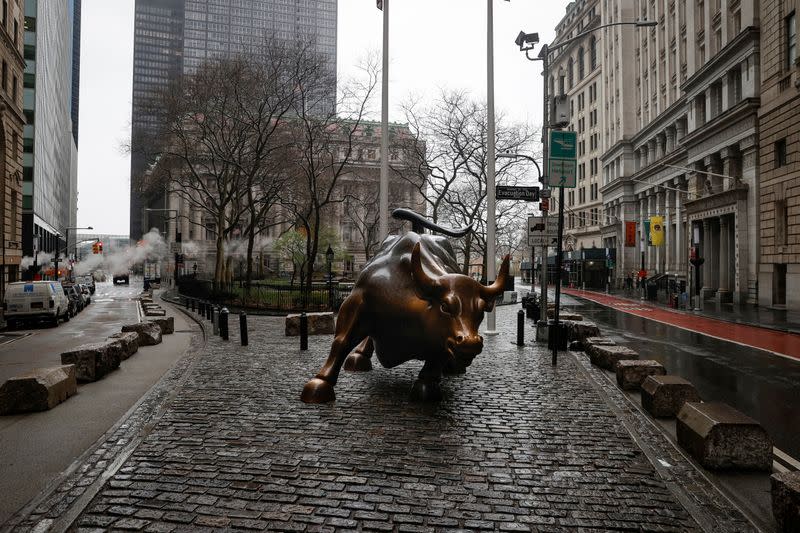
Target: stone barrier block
column 721, row 438
column 631, row 373
column 663, row 396
column 149, row 333
column 318, row 324
column 39, row 390
column 129, row 342
column 786, row 500
column 166, row 324
column 94, row 361
column 564, row 315
column 606, row 356
column 578, row 330
column 155, row 312
column 597, row 341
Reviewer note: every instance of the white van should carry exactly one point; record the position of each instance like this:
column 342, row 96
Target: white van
column 35, row 300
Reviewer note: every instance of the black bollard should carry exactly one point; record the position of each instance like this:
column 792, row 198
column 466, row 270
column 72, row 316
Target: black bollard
column 209, row 311
column 303, row 331
column 223, row 323
column 191, row 304
column 200, row 309
column 243, row 328
column 186, row 302
column 520, row 328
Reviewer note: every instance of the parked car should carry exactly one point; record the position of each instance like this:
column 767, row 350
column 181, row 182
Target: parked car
column 29, row 301
column 122, row 278
column 88, row 281
column 84, row 291
column 75, row 299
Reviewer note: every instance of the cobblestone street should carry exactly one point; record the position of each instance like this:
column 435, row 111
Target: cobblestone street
column 517, row 445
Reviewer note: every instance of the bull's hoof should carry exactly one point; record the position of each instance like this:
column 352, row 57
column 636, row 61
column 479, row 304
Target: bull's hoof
column 454, row 368
column 357, row 362
column 318, row 391
column 426, row 391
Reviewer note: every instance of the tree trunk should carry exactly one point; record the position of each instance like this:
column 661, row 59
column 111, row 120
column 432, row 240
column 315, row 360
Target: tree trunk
column 251, row 239
column 467, row 254
column 219, row 266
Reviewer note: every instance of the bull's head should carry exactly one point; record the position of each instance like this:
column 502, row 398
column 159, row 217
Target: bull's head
column 456, row 307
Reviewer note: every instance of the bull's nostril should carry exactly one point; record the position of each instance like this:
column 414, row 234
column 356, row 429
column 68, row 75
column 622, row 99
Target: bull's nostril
column 480, row 338
column 459, row 339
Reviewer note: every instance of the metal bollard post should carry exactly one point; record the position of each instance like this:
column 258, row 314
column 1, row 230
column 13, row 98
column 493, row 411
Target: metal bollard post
column 223, row 323
column 520, row 328
column 243, row 328
column 209, row 311
column 303, row 332
column 200, row 309
column 186, row 302
column 191, row 304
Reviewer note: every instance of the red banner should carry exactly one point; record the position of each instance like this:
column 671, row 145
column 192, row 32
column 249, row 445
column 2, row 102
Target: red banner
column 630, row 234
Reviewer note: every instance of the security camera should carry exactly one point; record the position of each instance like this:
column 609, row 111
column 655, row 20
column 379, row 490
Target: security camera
column 526, row 38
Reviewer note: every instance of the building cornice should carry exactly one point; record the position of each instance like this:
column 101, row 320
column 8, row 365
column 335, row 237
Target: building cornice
column 699, row 79
column 742, row 110
column 670, row 115
column 8, row 44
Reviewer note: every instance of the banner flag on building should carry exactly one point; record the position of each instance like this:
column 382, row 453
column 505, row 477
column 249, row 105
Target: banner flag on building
column 646, row 235
column 630, row 234
column 657, row 231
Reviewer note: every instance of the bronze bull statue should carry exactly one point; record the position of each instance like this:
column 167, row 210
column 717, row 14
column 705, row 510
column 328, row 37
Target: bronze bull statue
column 410, row 302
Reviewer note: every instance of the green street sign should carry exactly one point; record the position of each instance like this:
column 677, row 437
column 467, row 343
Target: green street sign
column 563, row 144
column 563, row 173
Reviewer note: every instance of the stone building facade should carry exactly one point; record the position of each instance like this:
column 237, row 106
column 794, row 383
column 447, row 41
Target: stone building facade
column 575, row 71
column 779, row 156
column 681, row 140
column 12, row 122
column 353, row 216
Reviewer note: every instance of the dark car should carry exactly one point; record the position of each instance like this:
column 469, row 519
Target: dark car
column 75, row 300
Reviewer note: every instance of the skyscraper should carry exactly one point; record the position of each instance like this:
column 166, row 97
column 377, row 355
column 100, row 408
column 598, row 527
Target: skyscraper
column 173, row 37
column 49, row 201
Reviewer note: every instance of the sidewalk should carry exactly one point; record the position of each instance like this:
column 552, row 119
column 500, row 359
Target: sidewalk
column 517, row 445
column 775, row 341
column 757, row 316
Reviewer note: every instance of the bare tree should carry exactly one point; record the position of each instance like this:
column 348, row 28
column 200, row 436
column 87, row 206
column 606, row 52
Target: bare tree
column 453, row 163
column 322, row 145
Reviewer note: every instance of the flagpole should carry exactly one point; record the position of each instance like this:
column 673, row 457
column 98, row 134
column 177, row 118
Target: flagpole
column 384, row 181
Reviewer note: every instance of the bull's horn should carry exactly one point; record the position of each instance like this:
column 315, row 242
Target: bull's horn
column 494, row 290
column 426, row 284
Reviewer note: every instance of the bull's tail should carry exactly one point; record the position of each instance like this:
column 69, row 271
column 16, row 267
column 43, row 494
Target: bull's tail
column 419, row 223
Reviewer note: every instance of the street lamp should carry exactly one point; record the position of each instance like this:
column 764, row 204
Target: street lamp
column 329, row 257
column 526, row 42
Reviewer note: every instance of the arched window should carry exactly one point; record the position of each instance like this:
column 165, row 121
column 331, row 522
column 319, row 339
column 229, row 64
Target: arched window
column 581, row 69
column 593, row 52
column 570, row 73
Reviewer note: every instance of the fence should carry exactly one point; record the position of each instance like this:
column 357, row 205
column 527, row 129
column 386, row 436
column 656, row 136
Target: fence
column 268, row 296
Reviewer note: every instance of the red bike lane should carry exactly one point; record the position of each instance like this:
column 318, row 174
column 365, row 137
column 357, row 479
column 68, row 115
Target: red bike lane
column 777, row 342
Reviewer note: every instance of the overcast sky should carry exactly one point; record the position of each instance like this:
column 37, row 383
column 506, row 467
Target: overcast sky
column 434, row 44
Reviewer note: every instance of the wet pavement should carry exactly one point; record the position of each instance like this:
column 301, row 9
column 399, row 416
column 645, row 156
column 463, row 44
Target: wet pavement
column 763, row 385
column 517, row 445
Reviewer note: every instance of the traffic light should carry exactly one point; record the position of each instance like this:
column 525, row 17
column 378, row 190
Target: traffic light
column 100, row 247
column 97, row 247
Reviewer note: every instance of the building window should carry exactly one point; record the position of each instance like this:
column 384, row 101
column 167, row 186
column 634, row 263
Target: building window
column 791, row 40
column 570, row 74
column 5, row 75
column 581, row 68
column 781, row 223
column 593, row 52
column 780, row 153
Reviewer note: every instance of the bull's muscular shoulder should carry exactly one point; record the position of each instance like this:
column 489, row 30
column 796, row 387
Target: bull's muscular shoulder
column 394, row 257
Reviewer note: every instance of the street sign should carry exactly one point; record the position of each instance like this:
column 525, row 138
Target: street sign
column 563, row 144
column 544, row 205
column 545, row 193
column 507, row 192
column 562, row 163
column 542, row 231
column 563, row 173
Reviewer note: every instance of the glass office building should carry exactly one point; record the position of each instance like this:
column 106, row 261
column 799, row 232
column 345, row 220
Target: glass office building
column 50, row 100
column 173, row 37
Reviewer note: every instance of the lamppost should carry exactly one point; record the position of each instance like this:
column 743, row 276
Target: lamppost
column 543, row 298
column 329, row 257
column 526, row 43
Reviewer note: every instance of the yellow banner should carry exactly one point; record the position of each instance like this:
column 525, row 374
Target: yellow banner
column 657, row 231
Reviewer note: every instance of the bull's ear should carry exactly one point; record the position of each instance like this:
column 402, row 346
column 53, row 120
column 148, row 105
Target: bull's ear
column 426, row 285
column 490, row 292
